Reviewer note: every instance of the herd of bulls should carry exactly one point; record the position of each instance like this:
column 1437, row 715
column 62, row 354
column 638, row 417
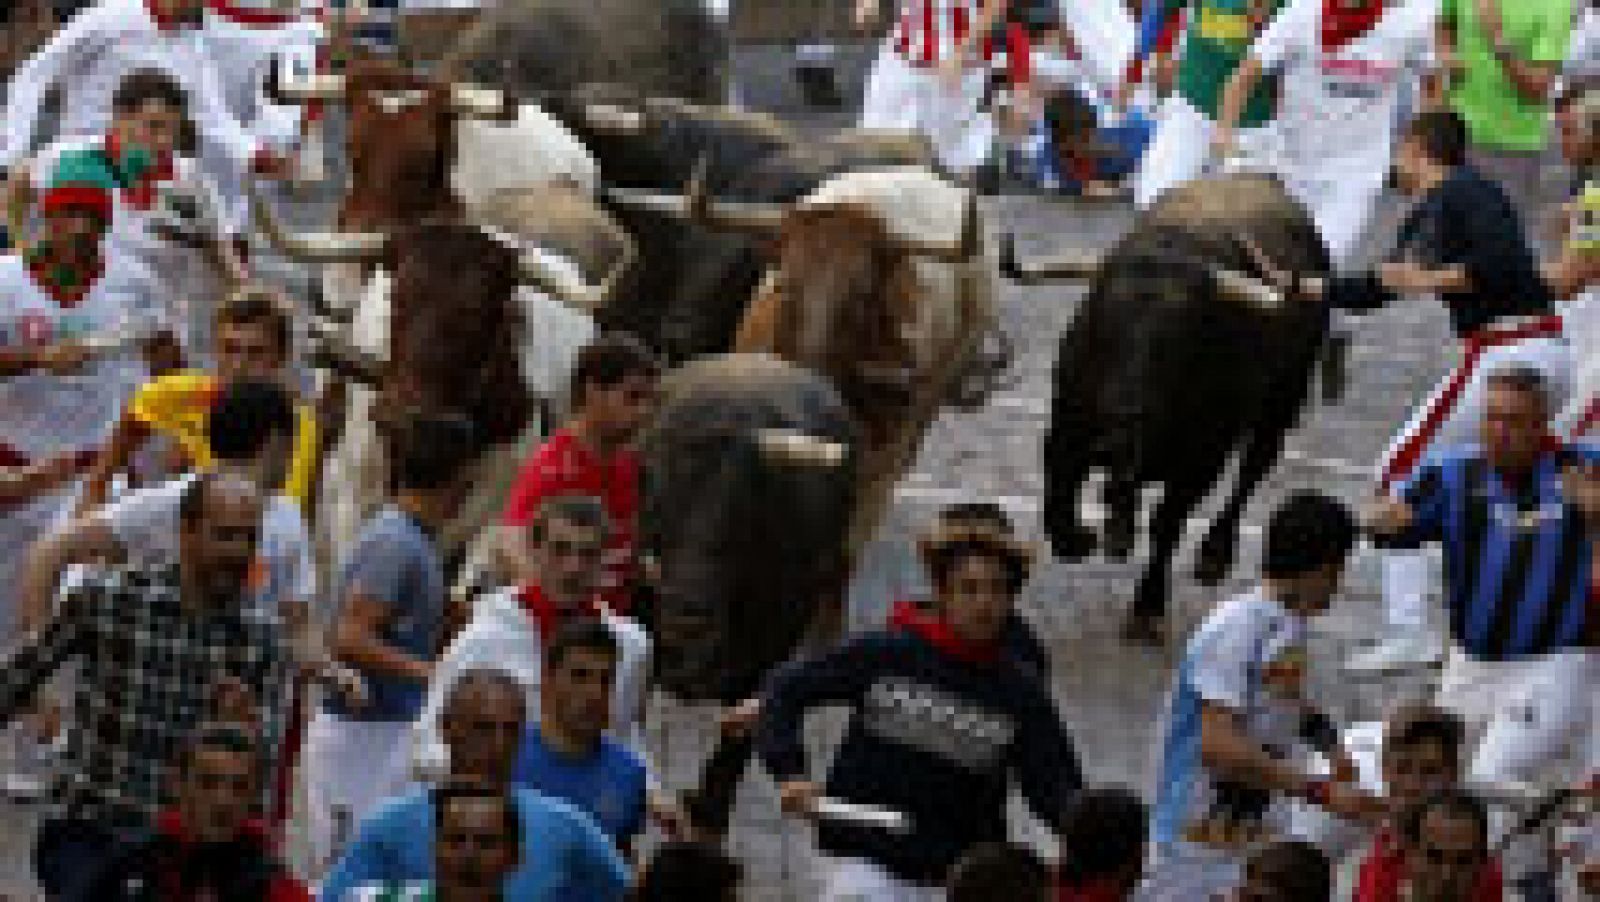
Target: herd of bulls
column 822, row 300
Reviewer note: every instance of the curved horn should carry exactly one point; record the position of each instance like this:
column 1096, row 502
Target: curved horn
column 318, row 247
column 967, row 243
column 305, row 88
column 482, row 103
column 756, row 219
column 1246, row 289
column 1063, row 266
column 791, row 447
column 588, row 298
column 610, row 118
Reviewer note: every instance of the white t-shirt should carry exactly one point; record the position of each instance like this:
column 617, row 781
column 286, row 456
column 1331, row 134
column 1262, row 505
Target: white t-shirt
column 146, row 522
column 1248, row 657
column 1338, row 108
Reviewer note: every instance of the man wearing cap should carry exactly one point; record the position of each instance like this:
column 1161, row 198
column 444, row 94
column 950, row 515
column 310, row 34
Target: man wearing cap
column 88, row 59
column 942, row 723
column 58, row 398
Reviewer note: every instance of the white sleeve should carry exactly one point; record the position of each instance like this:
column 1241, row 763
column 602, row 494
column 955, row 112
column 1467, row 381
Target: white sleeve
column 1293, row 30
column 216, row 122
column 1221, row 657
column 79, row 41
column 145, row 521
column 487, row 641
column 292, row 544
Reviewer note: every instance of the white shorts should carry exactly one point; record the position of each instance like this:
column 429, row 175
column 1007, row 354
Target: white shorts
column 856, row 880
column 1529, row 720
column 1580, row 318
column 903, row 97
column 349, row 767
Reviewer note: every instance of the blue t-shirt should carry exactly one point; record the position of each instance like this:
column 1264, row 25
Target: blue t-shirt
column 608, row 785
column 396, row 564
column 565, row 856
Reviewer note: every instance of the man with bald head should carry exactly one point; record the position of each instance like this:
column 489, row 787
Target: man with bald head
column 161, row 647
column 565, row 856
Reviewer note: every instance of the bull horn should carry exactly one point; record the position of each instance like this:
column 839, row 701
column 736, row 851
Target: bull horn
column 1063, row 266
column 306, row 88
column 314, row 247
column 587, row 298
column 696, row 205
column 788, row 446
column 967, row 243
column 610, row 118
column 482, row 103
column 1246, row 289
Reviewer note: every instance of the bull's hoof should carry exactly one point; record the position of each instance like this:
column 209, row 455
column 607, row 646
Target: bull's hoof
column 1073, row 543
column 1214, row 561
column 1145, row 630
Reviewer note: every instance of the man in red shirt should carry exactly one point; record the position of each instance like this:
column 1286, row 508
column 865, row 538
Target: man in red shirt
column 1443, row 856
column 614, row 383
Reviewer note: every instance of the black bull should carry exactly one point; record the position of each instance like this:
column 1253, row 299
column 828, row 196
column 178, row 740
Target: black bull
column 747, row 532
column 692, row 283
column 1160, row 378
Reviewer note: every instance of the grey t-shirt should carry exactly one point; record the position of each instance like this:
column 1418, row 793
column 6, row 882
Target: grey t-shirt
column 395, row 563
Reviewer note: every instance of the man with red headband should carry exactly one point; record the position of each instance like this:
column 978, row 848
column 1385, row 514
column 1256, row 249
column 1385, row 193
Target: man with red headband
column 1343, row 66
column 58, row 398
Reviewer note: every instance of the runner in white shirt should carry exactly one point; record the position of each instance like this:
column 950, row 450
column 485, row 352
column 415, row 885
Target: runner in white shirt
column 57, row 397
column 89, row 57
column 1345, row 65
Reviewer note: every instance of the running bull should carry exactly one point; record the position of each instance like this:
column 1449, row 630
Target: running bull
column 1179, row 357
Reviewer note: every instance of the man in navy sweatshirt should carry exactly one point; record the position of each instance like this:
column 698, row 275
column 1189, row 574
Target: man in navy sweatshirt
column 941, row 722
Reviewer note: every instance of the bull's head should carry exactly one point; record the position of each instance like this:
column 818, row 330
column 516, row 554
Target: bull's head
column 335, row 247
column 1072, row 265
column 747, row 497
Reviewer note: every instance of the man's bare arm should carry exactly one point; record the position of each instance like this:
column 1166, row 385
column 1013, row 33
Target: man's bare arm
column 82, row 541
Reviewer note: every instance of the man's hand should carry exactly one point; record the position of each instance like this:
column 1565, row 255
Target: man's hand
column 1581, row 484
column 270, row 164
column 1354, row 804
column 233, row 702
column 63, row 358
column 667, row 814
column 799, row 797
column 740, row 719
column 952, row 72
column 1405, row 277
column 1489, row 17
column 1386, row 516
column 866, row 14
column 1224, row 142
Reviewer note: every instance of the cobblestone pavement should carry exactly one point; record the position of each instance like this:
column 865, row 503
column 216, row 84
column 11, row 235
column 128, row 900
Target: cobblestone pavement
column 1110, row 695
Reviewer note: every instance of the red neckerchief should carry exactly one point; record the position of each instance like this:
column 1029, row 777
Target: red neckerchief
column 164, row 22
column 1104, row 889
column 250, row 16
column 1341, row 25
column 179, row 855
column 931, row 628
column 545, row 613
column 47, row 272
column 140, row 194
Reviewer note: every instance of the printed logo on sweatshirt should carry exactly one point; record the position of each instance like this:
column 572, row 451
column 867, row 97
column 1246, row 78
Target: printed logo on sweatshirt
column 937, row 722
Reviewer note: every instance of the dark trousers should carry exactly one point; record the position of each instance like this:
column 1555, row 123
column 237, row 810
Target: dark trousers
column 70, row 852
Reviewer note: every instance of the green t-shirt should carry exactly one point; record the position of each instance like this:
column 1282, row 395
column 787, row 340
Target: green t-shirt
column 1218, row 35
column 1497, row 114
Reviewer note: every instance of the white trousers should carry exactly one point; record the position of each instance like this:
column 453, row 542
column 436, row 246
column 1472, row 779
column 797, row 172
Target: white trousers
column 1580, row 319
column 903, row 97
column 349, row 767
column 1340, row 204
column 856, row 880
column 1181, row 148
column 1530, row 721
column 1450, row 416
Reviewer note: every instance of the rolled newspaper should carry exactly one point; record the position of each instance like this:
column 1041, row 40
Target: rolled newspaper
column 865, row 815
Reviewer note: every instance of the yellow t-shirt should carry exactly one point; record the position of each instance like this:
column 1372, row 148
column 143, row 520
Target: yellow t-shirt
column 177, row 404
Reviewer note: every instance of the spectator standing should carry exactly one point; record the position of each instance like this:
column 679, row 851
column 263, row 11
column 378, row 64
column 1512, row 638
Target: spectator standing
column 1103, row 838
column 1238, row 712
column 161, row 648
column 941, row 723
column 479, row 836
column 388, row 627
column 565, row 857
column 1445, row 858
column 206, row 846
column 1504, row 56
column 567, row 754
column 1518, row 552
column 614, row 384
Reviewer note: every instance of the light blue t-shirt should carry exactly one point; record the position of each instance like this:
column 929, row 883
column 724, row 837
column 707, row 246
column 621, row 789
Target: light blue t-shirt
column 1248, row 657
column 396, row 564
column 608, row 785
column 565, row 855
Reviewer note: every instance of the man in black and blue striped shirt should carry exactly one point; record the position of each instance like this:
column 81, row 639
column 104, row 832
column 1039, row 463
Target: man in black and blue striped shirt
column 1519, row 550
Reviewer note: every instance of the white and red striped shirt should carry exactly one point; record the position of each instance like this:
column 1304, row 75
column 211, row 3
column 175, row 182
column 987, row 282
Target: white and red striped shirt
column 928, row 31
